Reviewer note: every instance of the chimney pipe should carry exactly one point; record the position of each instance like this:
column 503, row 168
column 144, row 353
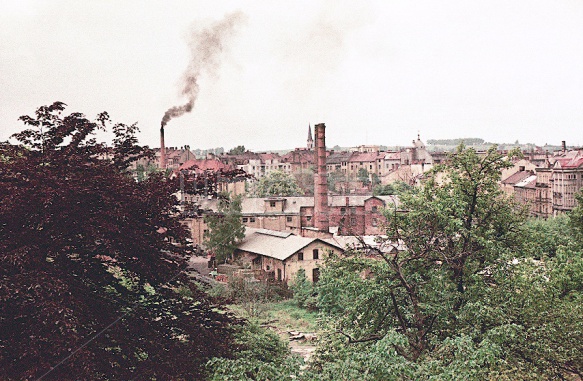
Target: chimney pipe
column 564, row 144
column 321, row 180
column 162, row 150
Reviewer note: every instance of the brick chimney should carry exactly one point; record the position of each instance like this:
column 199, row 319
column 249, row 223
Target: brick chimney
column 162, row 150
column 321, row 210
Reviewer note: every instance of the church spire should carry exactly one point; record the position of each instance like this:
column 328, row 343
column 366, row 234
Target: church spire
column 310, row 140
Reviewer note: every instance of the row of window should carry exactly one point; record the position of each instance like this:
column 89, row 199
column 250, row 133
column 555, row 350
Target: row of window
column 252, row 219
column 309, row 218
column 315, row 255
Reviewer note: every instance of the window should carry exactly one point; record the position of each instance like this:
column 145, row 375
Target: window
column 278, row 274
column 272, row 204
column 300, row 256
column 353, row 221
column 375, row 209
column 288, row 219
column 252, row 219
column 374, row 222
column 315, row 275
column 309, row 218
column 245, row 219
column 343, row 210
column 316, row 254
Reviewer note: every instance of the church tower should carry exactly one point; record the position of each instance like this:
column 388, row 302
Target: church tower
column 310, row 140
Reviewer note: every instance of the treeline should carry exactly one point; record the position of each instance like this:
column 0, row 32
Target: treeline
column 456, row 142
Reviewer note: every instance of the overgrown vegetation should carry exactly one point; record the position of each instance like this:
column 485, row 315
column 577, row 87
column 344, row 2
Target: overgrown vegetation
column 226, row 228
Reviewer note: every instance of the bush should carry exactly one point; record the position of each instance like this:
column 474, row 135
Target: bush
column 303, row 291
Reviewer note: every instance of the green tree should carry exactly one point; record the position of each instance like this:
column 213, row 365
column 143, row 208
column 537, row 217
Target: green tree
column 464, row 299
column 239, row 150
column 305, row 181
column 363, row 176
column 277, row 183
column 303, row 291
column 395, row 188
column 336, row 178
column 260, row 356
column 226, row 228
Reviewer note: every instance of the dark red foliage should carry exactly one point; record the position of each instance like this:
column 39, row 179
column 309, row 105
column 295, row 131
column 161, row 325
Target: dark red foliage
column 82, row 246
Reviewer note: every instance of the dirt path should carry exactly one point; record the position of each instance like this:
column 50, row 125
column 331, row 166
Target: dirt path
column 304, row 350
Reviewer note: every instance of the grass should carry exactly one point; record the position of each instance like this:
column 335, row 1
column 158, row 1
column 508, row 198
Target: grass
column 282, row 316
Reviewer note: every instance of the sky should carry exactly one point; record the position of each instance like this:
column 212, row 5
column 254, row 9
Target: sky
column 375, row 72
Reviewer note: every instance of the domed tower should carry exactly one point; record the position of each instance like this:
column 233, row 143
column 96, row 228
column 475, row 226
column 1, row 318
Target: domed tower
column 310, row 140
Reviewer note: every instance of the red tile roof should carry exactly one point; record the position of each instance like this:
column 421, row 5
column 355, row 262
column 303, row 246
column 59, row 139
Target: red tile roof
column 365, row 156
column 205, row 164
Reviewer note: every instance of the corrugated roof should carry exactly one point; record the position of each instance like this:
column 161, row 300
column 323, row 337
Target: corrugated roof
column 275, row 244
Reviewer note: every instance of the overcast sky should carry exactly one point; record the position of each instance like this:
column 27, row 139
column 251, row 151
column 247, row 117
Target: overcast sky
column 376, row 72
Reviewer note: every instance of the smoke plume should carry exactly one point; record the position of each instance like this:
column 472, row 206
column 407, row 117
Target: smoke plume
column 205, row 47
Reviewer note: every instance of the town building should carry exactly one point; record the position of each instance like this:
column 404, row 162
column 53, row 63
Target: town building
column 280, row 255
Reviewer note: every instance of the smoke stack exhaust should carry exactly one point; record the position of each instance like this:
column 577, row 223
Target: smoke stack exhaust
column 205, row 47
column 162, row 149
column 321, row 221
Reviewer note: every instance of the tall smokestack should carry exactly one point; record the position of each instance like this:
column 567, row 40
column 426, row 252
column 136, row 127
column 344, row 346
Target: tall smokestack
column 162, row 150
column 321, row 180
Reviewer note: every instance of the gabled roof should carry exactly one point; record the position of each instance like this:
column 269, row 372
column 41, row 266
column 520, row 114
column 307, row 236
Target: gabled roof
column 365, row 156
column 529, row 182
column 204, row 164
column 274, row 244
column 516, row 177
column 338, row 157
column 393, row 156
column 569, row 162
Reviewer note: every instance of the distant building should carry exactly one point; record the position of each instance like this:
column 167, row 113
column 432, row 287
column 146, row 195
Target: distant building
column 566, row 180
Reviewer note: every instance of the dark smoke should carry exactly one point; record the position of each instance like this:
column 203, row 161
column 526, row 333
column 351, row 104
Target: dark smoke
column 205, row 48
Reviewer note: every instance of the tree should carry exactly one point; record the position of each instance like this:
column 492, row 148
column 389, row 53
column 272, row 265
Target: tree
column 92, row 283
column 336, row 181
column 260, row 355
column 226, row 228
column 463, row 300
column 363, row 176
column 239, row 150
column 303, row 290
column 277, row 183
column 395, row 188
column 304, row 179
